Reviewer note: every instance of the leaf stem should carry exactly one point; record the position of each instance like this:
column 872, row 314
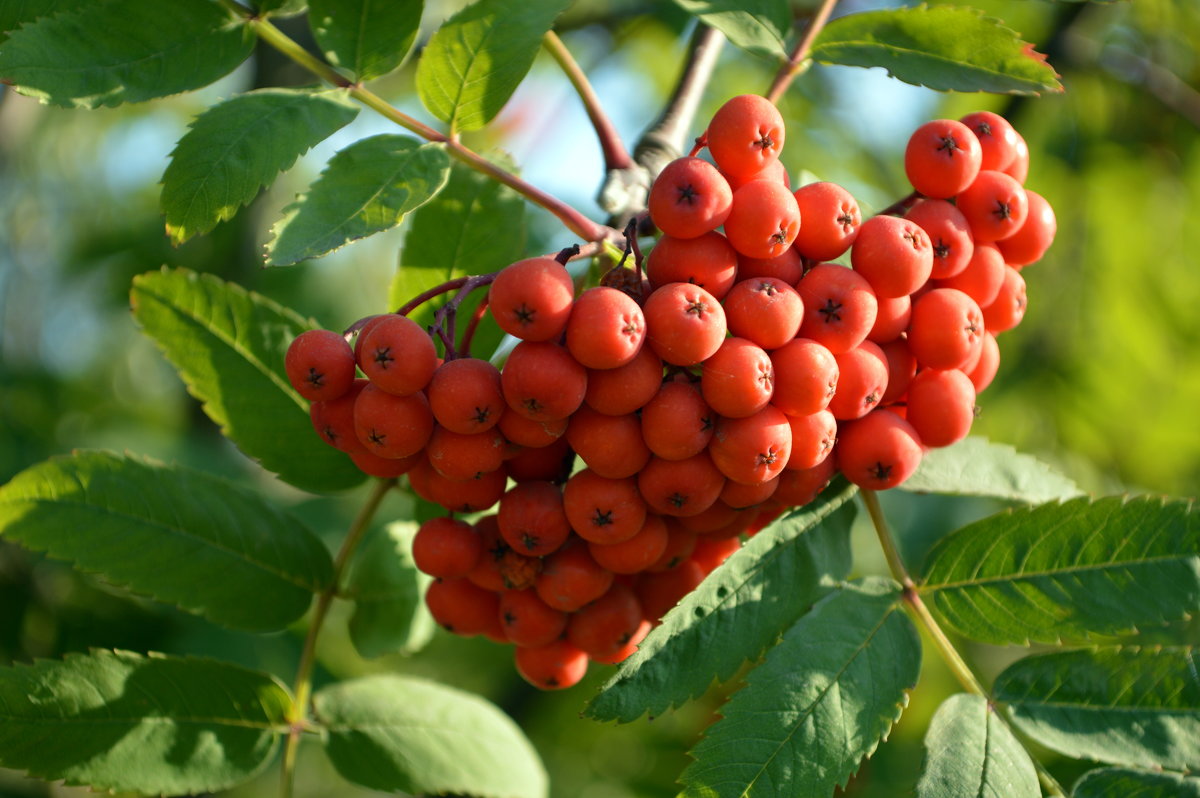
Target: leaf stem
column 615, row 154
column 920, row 613
column 797, row 63
column 302, row 688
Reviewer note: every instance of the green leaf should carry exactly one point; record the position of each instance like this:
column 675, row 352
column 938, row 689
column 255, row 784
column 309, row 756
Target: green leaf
column 365, row 189
column 398, row 733
column 122, row 51
column 944, row 47
column 476, row 60
column 759, row 26
column 970, row 751
column 388, row 594
column 176, row 535
column 737, row 612
column 1121, row 783
column 229, row 345
column 1066, row 571
column 474, row 225
column 369, row 38
column 115, row 720
column 820, row 702
column 239, row 146
column 978, row 467
column 279, row 8
column 1119, row 705
column 15, row 13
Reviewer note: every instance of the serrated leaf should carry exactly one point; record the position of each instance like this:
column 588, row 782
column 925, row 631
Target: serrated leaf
column 971, row 752
column 943, row 47
column 369, row 38
column 820, row 701
column 1119, row 705
column 977, row 467
column 115, row 720
column 15, row 13
column 365, row 189
column 737, row 612
column 474, row 225
column 239, row 146
column 176, row 535
column 1122, row 783
column 388, row 594
column 759, row 26
column 398, row 733
column 117, row 51
column 1066, row 571
column 228, row 345
column 479, row 56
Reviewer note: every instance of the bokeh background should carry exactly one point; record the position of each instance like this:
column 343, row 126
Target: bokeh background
column 1102, row 379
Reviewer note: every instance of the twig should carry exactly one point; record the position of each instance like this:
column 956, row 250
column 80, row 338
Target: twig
column 615, row 154
column 798, row 61
column 900, row 206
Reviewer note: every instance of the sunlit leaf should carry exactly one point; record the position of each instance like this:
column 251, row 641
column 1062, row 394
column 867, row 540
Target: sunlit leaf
column 760, row 26
column 1122, row 783
column 971, row 752
column 369, row 38
column 978, row 467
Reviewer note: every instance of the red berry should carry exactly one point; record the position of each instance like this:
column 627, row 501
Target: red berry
column 320, row 365
column 689, row 198
column 745, row 135
column 942, row 158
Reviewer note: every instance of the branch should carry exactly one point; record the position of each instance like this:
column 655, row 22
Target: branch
column 798, row 61
column 615, row 154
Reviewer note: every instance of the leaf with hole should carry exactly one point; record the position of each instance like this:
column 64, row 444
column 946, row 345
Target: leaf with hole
column 229, row 345
column 1067, row 571
column 820, row 702
column 1120, row 705
column 124, row 51
column 737, row 612
column 179, row 536
column 365, row 189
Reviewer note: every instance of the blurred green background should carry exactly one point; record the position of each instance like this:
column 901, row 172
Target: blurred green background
column 1102, row 379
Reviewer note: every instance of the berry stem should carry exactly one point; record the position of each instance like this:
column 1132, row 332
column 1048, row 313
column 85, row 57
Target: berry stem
column 445, row 317
column 798, row 62
column 574, row 221
column 464, row 348
column 615, row 154
column 302, row 689
column 919, row 612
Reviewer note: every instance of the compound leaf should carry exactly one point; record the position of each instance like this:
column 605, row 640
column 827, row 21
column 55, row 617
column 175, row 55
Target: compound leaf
column 822, row 699
column 228, row 345
column 369, row 38
column 1119, row 705
column 399, row 733
column 970, row 751
column 1063, row 571
column 474, row 225
column 942, row 47
column 117, row 51
column 1122, row 783
column 737, row 612
column 978, row 467
column 239, row 146
column 759, row 26
column 387, row 590
column 476, row 60
column 365, row 189
column 115, row 720
column 177, row 535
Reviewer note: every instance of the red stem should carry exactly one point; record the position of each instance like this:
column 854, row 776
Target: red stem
column 795, row 63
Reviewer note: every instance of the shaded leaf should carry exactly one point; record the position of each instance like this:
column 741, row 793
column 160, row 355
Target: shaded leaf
column 228, row 345
column 388, row 594
column 115, row 720
column 398, row 733
column 177, row 535
column 971, row 752
column 239, row 146
column 978, row 467
column 479, row 56
column 369, row 38
column 943, row 47
column 281, row 8
column 1123, row 706
column 1121, row 783
column 760, row 26
column 116, row 51
column 820, row 701
column 365, row 189
column 1062, row 571
column 15, row 13
column 737, row 612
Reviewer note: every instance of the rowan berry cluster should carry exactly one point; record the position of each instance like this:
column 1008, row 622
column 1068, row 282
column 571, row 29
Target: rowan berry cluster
column 641, row 428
